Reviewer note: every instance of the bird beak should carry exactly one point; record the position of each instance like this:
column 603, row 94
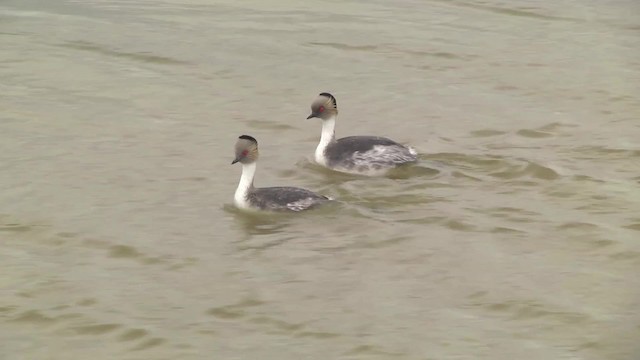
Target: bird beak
column 235, row 161
column 312, row 116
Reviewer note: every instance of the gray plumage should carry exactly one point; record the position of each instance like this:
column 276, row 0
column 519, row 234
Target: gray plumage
column 271, row 198
column 368, row 155
column 284, row 198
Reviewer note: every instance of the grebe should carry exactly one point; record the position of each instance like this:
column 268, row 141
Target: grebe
column 270, row 198
column 366, row 155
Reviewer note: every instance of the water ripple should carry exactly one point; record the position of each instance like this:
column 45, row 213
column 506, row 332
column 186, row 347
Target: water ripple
column 102, row 50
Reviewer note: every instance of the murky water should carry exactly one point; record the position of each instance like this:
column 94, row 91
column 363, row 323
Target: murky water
column 516, row 237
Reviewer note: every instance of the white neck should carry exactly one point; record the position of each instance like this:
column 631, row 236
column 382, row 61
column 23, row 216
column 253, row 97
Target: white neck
column 246, row 184
column 328, row 135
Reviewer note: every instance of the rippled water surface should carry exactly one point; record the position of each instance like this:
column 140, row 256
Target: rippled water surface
column 517, row 236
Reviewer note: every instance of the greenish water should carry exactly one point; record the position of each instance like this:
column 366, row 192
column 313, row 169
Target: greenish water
column 516, row 237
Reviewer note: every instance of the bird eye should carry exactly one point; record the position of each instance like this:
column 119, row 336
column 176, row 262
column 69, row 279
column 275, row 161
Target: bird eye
column 245, row 152
column 321, row 109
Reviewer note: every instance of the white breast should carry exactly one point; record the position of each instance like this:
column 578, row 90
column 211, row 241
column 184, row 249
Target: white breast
column 246, row 182
column 327, row 136
column 240, row 200
column 319, row 155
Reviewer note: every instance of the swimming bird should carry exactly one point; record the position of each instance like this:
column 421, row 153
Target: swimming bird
column 365, row 155
column 270, row 198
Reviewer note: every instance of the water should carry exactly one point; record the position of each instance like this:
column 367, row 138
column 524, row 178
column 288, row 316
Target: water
column 516, row 237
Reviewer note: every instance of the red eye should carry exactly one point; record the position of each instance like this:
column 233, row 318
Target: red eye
column 245, row 152
column 321, row 109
